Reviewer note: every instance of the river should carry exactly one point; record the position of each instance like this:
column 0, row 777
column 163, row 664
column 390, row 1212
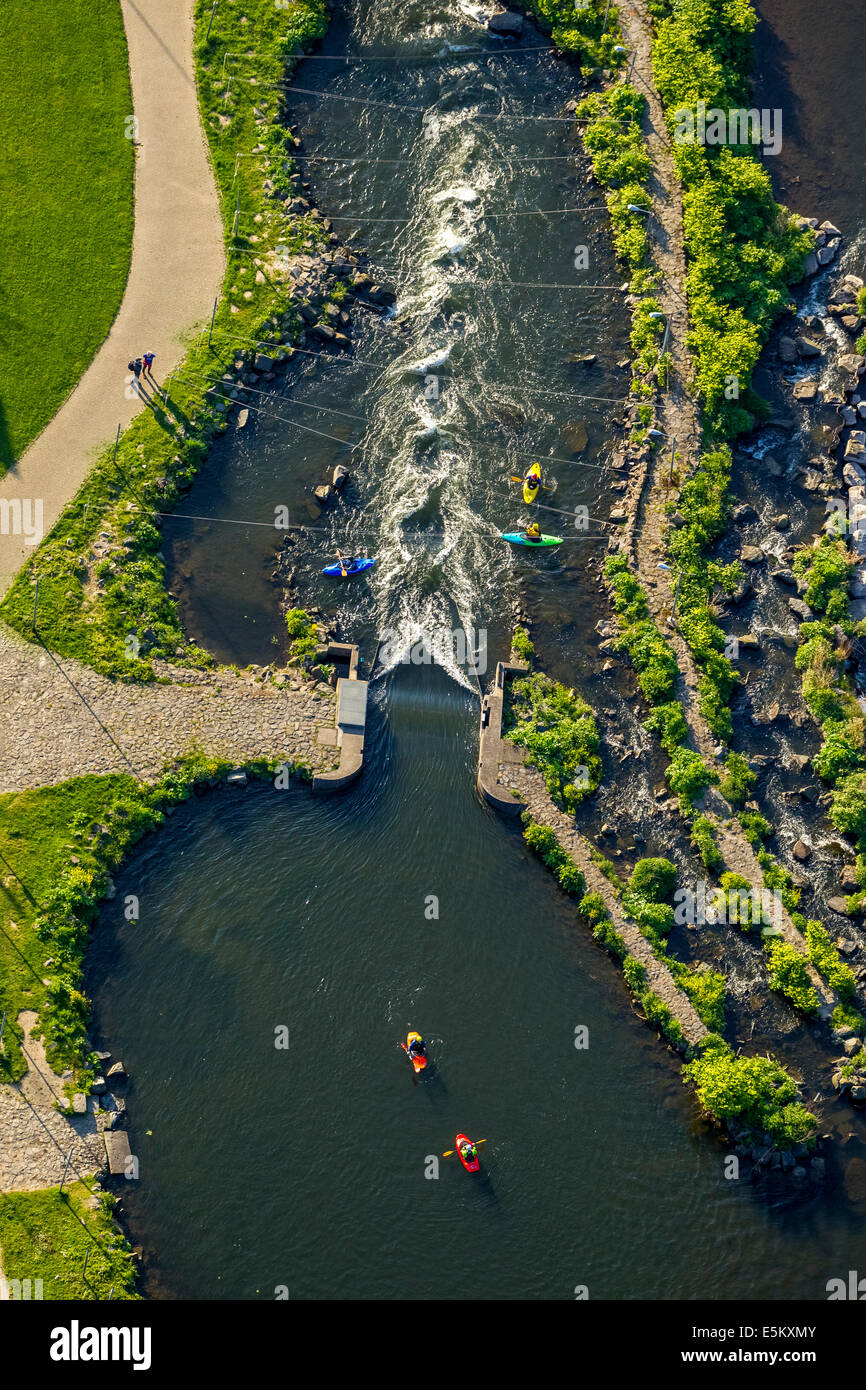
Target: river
column 304, row 1168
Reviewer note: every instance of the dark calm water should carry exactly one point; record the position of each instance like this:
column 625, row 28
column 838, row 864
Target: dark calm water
column 305, row 1168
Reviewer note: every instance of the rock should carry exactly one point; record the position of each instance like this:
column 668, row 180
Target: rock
column 263, row 363
column 100, row 1056
column 749, row 642
column 799, row 1173
column 850, row 1046
column 243, row 416
column 856, row 446
column 323, row 493
column 752, row 555
column 787, row 349
column 811, row 795
column 238, row 778
column 771, row 466
column 830, row 230
column 307, row 313
column 838, row 905
column 826, row 254
column 807, row 347
column 745, row 513
column 323, row 331
column 853, row 475
column 787, row 1160
column 802, row 851
column 806, row 390
column 810, row 264
column 98, row 1086
column 79, row 1103
column 848, row 877
column 575, row 437
column 852, row 362
column 784, row 576
column 781, row 522
column 800, row 761
column 800, row 609
column 817, row 1169
column 339, row 477
column 506, row 23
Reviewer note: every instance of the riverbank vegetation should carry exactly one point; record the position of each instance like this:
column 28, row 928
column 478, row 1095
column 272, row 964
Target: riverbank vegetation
column 101, row 570
column 67, row 170
column 558, row 730
column 48, row 1235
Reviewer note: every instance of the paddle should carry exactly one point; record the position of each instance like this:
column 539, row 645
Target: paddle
column 515, row 479
column 342, row 566
column 449, row 1152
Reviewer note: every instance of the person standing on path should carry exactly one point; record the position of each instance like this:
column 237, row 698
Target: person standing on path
column 147, row 359
column 135, row 367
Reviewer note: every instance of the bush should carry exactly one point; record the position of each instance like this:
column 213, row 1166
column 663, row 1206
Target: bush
column 654, row 879
column 521, row 645
column 827, row 961
column 543, row 841
column 669, row 722
column 704, row 839
column 738, row 781
column 789, row 975
column 688, row 776
column 755, row 1090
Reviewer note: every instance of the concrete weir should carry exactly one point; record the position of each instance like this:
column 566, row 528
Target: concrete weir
column 495, row 755
column 351, row 719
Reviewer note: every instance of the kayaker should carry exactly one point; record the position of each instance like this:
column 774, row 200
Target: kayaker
column 533, row 531
column 417, row 1046
column 469, row 1151
column 347, row 561
column 532, row 480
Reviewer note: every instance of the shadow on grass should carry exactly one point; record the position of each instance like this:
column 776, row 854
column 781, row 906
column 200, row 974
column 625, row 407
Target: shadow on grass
column 7, row 455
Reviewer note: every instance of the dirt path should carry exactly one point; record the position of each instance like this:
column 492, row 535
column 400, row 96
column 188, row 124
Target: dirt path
column 177, row 268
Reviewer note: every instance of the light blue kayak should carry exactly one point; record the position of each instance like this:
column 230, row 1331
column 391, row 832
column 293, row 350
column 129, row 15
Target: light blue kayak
column 357, row 568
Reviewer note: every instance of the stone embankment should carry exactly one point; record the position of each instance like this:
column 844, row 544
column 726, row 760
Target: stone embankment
column 59, row 719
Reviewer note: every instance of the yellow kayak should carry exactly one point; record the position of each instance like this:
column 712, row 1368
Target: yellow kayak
column 531, row 483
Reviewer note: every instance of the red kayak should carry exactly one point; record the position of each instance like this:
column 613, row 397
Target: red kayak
column 470, row 1164
column 418, row 1060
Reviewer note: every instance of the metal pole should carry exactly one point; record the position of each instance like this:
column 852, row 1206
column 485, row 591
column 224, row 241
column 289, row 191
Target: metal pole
column 667, row 335
column 212, row 13
column 116, row 442
column 86, row 1258
column 212, row 317
column 66, row 1169
column 606, row 13
column 35, row 604
column 2, row 1027
column 673, row 447
column 237, row 214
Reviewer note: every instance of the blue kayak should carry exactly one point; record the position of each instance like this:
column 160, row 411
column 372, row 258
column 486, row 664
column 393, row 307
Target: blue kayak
column 519, row 538
column 357, row 568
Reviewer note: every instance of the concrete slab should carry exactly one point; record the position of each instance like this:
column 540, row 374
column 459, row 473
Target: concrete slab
column 351, row 705
column 327, row 737
column 117, row 1150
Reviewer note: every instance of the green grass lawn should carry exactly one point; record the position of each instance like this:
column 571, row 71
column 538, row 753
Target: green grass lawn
column 66, row 201
column 46, row 1235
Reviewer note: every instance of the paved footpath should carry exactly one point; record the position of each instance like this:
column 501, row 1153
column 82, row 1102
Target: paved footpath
column 48, row 733
column 177, row 269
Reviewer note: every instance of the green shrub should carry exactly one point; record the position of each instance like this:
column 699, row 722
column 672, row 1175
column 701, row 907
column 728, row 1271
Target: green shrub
column 654, row 879
column 704, row 839
column 738, row 780
column 755, row 1090
column 789, row 975
column 755, row 827
column 521, row 645
column 688, row 776
column 669, row 722
column 827, row 961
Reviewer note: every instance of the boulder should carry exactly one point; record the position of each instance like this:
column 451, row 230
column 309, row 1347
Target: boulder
column 853, row 475
column 806, row 390
column 79, row 1103
column 752, row 555
column 98, row 1086
column 117, row 1074
column 838, row 905
column 807, row 347
column 323, row 494
column 810, row 264
column 238, row 778
column 506, row 23
column 745, row 513
column 323, row 331
column 848, row 877
column 787, row 349
column 801, row 851
column 826, row 254
column 800, row 609
column 264, row 363
column 784, row 576
column 781, row 522
column 339, row 477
